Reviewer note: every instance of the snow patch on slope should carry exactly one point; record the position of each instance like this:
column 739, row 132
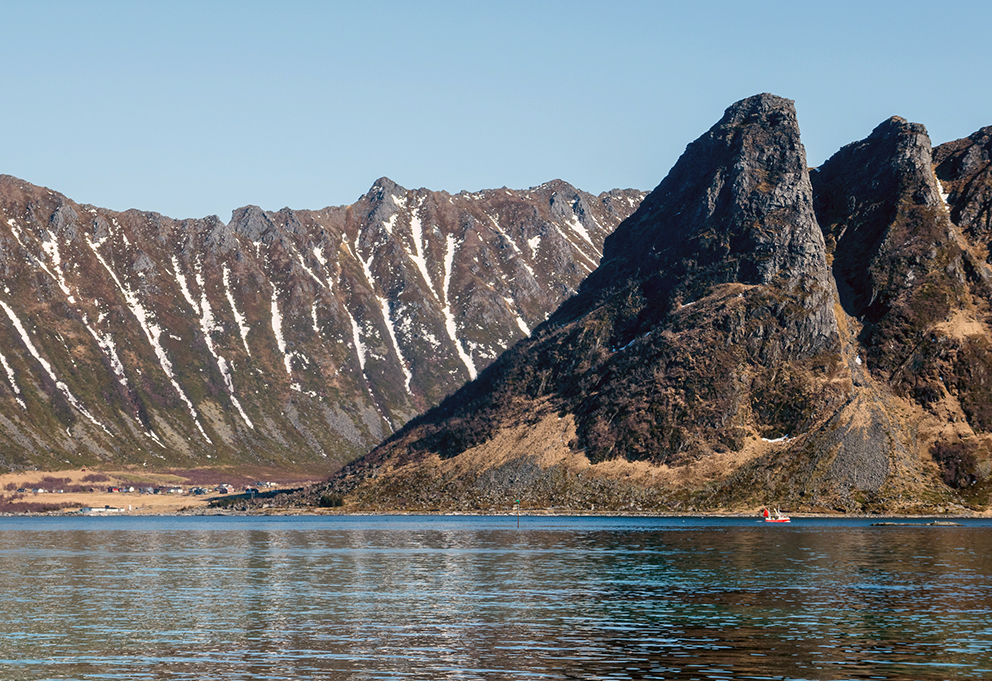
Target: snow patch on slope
column 238, row 317
column 391, row 222
column 449, row 317
column 579, row 229
column 181, row 280
column 277, row 330
column 51, row 247
column 523, row 326
column 356, row 337
column 318, row 252
column 386, row 317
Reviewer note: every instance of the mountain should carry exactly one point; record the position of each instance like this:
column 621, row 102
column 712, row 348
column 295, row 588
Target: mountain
column 756, row 334
column 291, row 339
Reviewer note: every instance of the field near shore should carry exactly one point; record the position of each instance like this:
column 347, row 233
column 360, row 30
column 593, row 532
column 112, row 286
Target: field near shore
column 72, row 490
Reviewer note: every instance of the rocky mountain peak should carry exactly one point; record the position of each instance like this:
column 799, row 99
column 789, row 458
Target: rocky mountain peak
column 965, row 167
column 733, row 181
column 880, row 207
column 252, row 223
column 736, row 208
column 384, row 187
column 716, row 279
column 966, row 156
column 755, row 333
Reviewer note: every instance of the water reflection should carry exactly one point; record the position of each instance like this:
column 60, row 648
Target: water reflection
column 478, row 599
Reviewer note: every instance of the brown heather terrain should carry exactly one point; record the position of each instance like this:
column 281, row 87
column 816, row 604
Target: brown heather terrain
column 757, row 333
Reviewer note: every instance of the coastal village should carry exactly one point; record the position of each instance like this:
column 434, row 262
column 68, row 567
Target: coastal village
column 88, row 492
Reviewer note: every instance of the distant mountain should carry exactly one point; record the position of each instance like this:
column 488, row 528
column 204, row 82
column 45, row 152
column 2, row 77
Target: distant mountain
column 756, row 334
column 294, row 339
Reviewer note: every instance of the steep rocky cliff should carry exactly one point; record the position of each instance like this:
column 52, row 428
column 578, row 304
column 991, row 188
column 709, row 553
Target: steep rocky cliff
column 755, row 334
column 297, row 338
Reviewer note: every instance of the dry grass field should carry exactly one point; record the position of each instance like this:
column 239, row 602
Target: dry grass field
column 73, row 490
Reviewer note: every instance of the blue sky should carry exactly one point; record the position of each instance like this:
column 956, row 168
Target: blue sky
column 197, row 108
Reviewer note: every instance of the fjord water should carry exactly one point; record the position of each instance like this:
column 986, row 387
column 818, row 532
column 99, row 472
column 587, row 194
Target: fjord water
column 479, row 598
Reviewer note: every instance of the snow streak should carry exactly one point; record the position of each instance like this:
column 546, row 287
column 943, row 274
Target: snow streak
column 359, row 346
column 13, row 383
column 181, row 280
column 152, row 332
column 106, row 343
column 63, row 388
column 940, row 190
column 392, row 336
column 242, row 326
column 513, row 245
column 449, row 317
column 299, row 259
column 51, row 247
column 416, row 228
column 386, row 318
column 207, row 325
column 277, row 330
column 313, row 318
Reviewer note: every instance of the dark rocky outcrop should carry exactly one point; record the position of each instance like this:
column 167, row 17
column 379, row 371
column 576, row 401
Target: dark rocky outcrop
column 965, row 168
column 756, row 333
column 897, row 263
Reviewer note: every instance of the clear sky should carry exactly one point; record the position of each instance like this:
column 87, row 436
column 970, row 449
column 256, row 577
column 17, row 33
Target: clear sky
column 197, row 108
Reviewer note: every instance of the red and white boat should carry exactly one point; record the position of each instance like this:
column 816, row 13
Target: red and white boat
column 776, row 517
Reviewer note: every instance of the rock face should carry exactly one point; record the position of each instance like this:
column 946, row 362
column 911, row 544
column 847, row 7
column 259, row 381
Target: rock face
column 292, row 339
column 755, row 334
column 965, row 172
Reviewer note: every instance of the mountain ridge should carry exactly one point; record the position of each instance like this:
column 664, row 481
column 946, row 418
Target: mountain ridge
column 291, row 338
column 756, row 333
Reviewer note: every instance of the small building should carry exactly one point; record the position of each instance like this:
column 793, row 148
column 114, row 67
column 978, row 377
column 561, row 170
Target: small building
column 96, row 510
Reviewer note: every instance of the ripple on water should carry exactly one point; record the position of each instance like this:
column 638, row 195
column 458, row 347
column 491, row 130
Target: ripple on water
column 479, row 599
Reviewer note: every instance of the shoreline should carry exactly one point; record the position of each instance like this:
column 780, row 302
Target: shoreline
column 205, row 510
column 133, row 503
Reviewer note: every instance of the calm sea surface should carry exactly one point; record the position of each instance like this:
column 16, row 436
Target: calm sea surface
column 206, row 598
